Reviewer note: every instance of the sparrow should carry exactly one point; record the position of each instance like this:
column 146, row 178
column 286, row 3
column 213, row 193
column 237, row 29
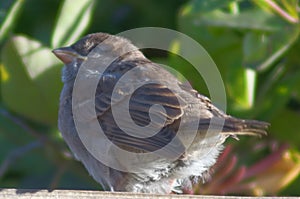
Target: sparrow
column 182, row 111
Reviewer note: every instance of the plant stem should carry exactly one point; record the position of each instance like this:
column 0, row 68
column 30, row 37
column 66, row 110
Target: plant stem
column 281, row 12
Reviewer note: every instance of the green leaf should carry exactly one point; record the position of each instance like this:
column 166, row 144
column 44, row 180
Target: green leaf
column 262, row 49
column 31, row 83
column 286, row 9
column 11, row 135
column 72, row 20
column 255, row 48
column 10, row 19
column 276, row 92
column 291, row 6
column 253, row 19
column 241, row 84
column 285, row 126
column 196, row 6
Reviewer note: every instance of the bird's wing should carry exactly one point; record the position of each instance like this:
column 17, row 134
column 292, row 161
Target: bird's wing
column 214, row 119
column 137, row 105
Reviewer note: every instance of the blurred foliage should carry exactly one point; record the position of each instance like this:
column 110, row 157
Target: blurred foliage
column 255, row 45
column 265, row 177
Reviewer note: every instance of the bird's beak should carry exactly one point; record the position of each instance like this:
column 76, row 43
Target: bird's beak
column 67, row 54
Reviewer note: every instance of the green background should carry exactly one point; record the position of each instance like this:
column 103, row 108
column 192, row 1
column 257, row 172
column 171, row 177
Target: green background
column 255, row 45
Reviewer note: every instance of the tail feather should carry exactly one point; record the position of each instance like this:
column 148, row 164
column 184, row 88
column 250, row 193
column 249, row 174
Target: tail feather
column 233, row 126
column 245, row 127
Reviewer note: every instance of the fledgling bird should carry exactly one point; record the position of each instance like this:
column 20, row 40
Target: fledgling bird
column 177, row 166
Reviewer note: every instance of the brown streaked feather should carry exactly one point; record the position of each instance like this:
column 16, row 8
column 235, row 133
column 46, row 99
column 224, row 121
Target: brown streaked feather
column 246, row 127
column 139, row 105
column 234, row 126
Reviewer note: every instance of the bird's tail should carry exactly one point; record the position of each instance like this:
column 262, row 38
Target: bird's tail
column 233, row 126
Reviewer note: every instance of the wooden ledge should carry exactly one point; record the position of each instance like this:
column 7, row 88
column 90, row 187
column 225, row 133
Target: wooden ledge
column 79, row 194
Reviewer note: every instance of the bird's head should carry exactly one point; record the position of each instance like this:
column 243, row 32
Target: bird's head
column 102, row 45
